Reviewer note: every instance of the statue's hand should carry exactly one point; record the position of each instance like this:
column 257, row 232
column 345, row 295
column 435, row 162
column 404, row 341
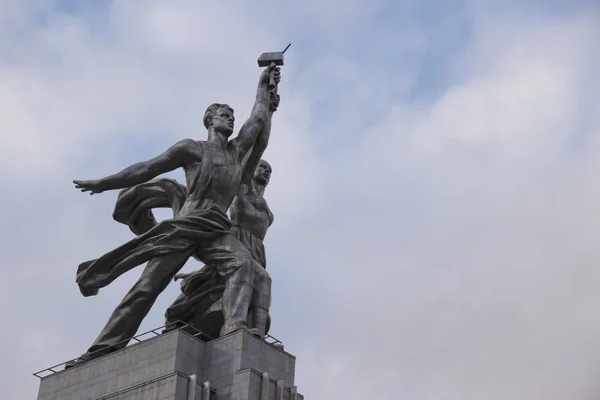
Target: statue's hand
column 274, row 101
column 277, row 75
column 265, row 77
column 89, row 186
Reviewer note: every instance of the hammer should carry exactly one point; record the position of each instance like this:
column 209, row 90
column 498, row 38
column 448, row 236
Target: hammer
column 268, row 59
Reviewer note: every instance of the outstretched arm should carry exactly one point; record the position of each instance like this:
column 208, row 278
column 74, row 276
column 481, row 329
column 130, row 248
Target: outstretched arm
column 260, row 112
column 260, row 145
column 176, row 156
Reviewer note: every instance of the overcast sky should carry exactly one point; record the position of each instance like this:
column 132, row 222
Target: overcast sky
column 436, row 181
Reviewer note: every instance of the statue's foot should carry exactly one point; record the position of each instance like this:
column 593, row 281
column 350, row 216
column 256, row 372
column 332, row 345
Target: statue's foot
column 227, row 329
column 172, row 326
column 81, row 360
column 256, row 332
column 87, row 292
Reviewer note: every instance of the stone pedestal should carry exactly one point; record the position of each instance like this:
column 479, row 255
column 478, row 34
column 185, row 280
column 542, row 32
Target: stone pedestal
column 179, row 366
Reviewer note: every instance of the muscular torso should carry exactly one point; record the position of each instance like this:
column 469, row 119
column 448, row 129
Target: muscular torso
column 213, row 177
column 249, row 211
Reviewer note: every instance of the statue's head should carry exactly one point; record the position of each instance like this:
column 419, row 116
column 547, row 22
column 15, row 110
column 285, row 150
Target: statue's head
column 262, row 174
column 220, row 118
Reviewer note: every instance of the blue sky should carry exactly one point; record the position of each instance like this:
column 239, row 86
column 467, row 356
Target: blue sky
column 434, row 181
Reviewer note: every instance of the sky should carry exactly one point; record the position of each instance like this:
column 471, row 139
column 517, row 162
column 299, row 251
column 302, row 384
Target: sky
column 435, row 181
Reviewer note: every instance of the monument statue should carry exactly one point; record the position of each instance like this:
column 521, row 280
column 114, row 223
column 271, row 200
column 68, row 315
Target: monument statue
column 200, row 228
column 199, row 304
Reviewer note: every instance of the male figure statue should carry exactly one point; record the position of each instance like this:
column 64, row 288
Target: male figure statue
column 199, row 303
column 213, row 170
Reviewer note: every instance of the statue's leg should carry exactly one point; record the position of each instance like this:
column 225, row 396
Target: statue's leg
column 127, row 317
column 234, row 262
column 261, row 301
column 172, row 322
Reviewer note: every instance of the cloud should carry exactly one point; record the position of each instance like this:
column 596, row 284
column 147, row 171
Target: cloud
column 469, row 234
column 434, row 234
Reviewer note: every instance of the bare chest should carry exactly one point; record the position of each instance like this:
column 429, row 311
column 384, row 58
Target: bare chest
column 253, row 202
column 220, row 157
column 253, row 207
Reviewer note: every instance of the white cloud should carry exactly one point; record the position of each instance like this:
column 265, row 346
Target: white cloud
column 477, row 250
column 446, row 251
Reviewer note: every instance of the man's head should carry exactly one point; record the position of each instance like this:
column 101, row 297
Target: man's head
column 262, row 174
column 220, row 118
